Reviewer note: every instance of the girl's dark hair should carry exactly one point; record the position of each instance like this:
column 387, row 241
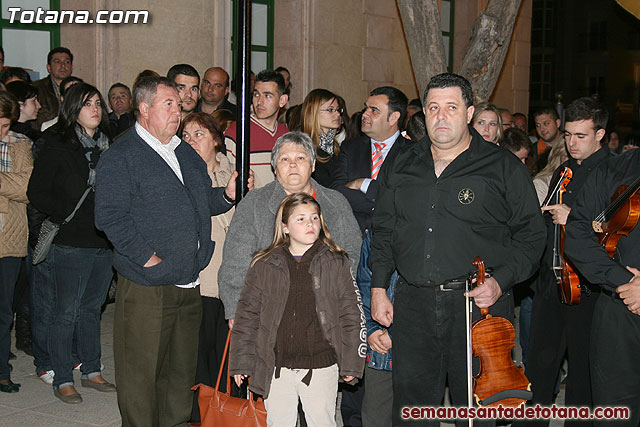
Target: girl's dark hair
column 416, row 127
column 344, row 115
column 224, row 118
column 74, row 99
column 293, row 117
column 353, row 126
column 65, row 83
column 21, row 90
column 18, row 72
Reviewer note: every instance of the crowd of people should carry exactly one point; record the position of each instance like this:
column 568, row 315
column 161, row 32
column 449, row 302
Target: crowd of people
column 352, row 224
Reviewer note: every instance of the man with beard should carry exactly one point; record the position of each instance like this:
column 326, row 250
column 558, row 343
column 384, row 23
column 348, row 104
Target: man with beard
column 187, row 81
column 548, row 129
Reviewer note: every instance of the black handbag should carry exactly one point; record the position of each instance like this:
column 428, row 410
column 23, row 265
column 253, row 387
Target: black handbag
column 49, row 230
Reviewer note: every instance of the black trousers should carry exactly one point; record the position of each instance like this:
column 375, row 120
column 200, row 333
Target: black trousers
column 557, row 329
column 351, row 404
column 377, row 403
column 429, row 348
column 213, row 334
column 615, row 349
column 21, row 306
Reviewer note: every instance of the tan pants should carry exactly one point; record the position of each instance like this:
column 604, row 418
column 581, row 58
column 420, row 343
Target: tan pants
column 155, row 348
column 318, row 398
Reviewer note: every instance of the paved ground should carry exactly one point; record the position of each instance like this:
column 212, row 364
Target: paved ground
column 35, row 405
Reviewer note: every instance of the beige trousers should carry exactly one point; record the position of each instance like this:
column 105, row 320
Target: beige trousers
column 318, row 398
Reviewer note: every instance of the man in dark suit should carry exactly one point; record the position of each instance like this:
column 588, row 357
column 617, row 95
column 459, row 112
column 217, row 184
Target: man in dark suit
column 59, row 66
column 359, row 163
column 355, row 174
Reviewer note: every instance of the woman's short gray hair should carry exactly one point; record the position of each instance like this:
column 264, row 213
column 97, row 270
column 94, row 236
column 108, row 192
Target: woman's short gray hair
column 297, row 138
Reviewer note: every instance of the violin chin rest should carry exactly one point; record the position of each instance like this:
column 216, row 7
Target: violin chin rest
column 505, row 394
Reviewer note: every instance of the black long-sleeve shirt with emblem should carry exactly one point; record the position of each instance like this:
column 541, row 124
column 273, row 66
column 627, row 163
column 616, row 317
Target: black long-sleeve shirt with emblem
column 431, row 228
column 581, row 244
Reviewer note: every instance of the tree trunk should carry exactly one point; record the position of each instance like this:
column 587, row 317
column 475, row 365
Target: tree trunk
column 488, row 47
column 485, row 54
column 421, row 22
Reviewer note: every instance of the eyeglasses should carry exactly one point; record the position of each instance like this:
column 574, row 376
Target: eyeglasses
column 332, row 110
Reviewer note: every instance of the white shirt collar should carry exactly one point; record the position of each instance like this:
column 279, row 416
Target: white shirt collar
column 155, row 142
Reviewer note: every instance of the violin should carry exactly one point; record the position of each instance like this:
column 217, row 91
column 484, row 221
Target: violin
column 619, row 218
column 500, row 381
column 566, row 277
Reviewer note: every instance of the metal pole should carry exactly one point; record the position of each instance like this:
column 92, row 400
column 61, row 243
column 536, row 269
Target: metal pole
column 243, row 68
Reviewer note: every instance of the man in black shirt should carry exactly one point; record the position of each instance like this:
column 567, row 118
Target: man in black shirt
column 615, row 332
column 444, row 201
column 557, row 328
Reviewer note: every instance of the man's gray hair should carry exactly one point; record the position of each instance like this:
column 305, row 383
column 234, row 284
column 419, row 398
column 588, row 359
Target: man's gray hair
column 297, row 138
column 146, row 90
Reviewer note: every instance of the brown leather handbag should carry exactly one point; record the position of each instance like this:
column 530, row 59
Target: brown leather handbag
column 219, row 409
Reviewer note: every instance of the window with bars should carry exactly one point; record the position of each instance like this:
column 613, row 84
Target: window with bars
column 542, row 50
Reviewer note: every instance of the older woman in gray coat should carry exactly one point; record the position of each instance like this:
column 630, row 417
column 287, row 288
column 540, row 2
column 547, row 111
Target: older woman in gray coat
column 293, row 160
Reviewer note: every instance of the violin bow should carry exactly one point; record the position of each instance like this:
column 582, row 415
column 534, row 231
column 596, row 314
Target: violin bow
column 468, row 314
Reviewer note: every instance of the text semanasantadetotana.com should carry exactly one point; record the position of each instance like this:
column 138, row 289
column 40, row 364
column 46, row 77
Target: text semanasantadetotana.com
column 520, row 412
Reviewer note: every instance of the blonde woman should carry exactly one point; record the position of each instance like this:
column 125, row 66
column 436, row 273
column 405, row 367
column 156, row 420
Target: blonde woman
column 487, row 121
column 321, row 120
column 557, row 156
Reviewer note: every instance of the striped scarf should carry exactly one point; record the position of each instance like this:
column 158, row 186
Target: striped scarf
column 5, row 166
column 5, row 158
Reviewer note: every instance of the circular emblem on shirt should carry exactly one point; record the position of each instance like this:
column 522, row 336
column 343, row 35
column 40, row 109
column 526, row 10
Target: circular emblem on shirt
column 466, row 196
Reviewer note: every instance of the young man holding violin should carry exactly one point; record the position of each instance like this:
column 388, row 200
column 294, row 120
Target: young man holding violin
column 615, row 332
column 444, row 201
column 558, row 328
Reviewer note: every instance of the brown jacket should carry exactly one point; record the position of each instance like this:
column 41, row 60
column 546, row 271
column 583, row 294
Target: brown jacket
column 13, row 197
column 262, row 302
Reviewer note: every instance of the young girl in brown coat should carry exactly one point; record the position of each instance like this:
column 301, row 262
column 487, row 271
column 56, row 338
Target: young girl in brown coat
column 299, row 325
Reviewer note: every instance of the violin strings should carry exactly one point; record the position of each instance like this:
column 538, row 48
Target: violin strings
column 610, row 211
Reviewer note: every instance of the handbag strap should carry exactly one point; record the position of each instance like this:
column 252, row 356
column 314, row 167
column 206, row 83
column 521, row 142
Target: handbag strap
column 224, row 358
column 84, row 196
